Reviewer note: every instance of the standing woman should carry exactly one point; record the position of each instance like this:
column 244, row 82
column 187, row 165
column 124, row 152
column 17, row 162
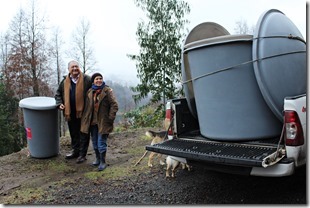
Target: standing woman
column 98, row 117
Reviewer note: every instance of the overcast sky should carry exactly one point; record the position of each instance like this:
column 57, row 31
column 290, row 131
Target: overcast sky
column 114, row 23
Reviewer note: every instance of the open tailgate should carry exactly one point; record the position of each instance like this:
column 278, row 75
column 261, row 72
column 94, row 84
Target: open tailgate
column 241, row 154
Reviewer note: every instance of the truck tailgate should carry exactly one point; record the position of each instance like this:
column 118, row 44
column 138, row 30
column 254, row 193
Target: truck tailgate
column 241, row 154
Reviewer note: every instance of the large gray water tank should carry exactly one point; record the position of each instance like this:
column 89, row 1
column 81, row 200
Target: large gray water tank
column 229, row 103
column 236, row 84
column 200, row 32
column 41, row 124
column 280, row 55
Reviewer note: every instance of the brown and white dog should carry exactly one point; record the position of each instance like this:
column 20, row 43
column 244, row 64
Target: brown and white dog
column 173, row 164
column 157, row 137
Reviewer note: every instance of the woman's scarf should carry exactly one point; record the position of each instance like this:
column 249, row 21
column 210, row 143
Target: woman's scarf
column 95, row 87
column 79, row 100
column 97, row 90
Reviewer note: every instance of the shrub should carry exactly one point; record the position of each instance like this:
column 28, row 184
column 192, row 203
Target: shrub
column 145, row 116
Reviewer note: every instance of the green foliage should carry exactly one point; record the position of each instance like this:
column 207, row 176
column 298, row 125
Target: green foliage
column 159, row 62
column 145, row 116
column 9, row 126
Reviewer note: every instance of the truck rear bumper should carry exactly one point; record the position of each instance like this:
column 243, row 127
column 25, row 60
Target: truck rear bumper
column 277, row 170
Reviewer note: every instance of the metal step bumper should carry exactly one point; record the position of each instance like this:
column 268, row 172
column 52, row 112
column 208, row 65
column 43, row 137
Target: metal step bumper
column 227, row 153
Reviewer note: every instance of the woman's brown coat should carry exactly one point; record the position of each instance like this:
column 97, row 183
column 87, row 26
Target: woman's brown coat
column 108, row 107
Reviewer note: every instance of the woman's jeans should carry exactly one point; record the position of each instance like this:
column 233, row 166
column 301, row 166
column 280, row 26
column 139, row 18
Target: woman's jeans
column 99, row 140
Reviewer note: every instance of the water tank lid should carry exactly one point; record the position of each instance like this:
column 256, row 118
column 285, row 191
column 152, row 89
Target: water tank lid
column 217, row 40
column 272, row 24
column 38, row 103
column 205, row 30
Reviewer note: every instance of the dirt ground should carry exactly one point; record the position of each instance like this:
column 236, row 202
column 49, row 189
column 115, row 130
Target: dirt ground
column 25, row 179
column 56, row 181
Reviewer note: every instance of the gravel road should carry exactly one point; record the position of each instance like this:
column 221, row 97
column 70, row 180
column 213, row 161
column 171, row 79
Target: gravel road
column 199, row 186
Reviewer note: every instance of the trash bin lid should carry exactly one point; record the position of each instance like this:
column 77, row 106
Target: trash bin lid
column 38, row 103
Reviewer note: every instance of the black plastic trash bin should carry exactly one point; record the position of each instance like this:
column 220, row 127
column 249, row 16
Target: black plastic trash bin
column 41, row 125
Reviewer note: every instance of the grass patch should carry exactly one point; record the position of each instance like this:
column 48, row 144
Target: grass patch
column 24, row 196
column 60, row 167
column 109, row 173
column 136, row 150
column 117, row 172
column 52, row 165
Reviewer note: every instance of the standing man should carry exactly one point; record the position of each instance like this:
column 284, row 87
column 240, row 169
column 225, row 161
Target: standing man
column 70, row 97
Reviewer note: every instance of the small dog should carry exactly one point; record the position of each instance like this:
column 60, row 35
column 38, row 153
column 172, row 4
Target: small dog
column 172, row 165
column 157, row 138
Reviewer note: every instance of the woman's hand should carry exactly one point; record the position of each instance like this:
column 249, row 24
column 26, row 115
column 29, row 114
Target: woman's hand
column 62, row 106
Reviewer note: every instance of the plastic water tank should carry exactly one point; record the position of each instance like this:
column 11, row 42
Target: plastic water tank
column 229, row 103
column 236, row 84
column 200, row 32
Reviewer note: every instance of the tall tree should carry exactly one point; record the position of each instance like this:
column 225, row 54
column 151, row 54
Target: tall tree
column 4, row 50
column 82, row 50
column 10, row 131
column 158, row 63
column 28, row 63
column 37, row 56
column 56, row 54
column 16, row 72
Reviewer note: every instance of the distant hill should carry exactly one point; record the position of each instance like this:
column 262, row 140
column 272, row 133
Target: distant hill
column 124, row 98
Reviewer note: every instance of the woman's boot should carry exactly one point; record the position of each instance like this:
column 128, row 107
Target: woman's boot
column 102, row 164
column 97, row 162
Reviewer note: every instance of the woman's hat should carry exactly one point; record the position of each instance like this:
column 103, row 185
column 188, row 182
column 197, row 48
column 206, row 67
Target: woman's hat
column 95, row 75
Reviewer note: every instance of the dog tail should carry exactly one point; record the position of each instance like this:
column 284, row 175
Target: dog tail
column 141, row 158
column 150, row 134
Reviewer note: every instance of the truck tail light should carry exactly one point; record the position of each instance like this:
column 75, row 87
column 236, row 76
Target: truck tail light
column 293, row 130
column 168, row 119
